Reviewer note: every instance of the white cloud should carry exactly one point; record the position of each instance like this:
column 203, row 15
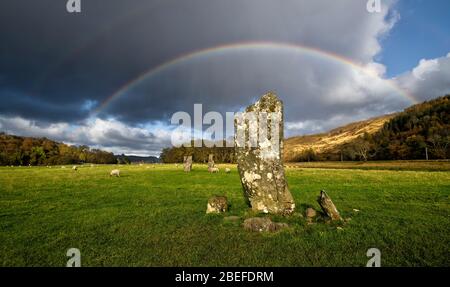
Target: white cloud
column 32, row 128
column 370, row 95
column 429, row 79
column 425, row 67
column 110, row 135
column 303, row 126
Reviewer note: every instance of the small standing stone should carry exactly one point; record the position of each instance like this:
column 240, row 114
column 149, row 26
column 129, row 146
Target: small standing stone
column 211, row 163
column 188, row 163
column 217, row 204
column 328, row 206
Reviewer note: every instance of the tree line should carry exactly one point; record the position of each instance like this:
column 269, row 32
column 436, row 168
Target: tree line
column 199, row 154
column 15, row 150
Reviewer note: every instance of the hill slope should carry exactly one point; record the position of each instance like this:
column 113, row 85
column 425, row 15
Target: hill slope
column 329, row 144
column 421, row 131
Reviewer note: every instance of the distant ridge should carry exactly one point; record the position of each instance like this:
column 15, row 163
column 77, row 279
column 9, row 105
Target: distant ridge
column 331, row 142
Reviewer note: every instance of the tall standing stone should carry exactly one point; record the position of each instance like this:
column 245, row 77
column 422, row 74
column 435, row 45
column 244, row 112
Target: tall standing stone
column 259, row 147
column 187, row 163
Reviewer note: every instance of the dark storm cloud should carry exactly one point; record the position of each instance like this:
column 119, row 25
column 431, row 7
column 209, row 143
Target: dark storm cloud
column 117, row 138
column 58, row 58
column 15, row 103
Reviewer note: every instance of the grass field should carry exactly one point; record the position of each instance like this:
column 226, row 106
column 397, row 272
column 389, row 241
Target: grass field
column 155, row 216
column 419, row 165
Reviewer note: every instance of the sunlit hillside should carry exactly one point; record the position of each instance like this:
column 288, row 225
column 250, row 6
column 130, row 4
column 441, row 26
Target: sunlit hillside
column 332, row 141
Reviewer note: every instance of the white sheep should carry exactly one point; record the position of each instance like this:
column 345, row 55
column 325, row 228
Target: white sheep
column 227, row 170
column 115, row 172
column 214, row 170
column 75, row 167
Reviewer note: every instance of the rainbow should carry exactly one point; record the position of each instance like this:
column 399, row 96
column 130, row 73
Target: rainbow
column 222, row 49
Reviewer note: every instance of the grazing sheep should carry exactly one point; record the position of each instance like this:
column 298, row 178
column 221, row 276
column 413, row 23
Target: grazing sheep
column 63, row 167
column 75, row 167
column 214, row 170
column 227, row 170
column 115, row 172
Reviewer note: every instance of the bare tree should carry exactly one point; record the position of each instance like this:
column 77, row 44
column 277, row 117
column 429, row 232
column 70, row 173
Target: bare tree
column 362, row 149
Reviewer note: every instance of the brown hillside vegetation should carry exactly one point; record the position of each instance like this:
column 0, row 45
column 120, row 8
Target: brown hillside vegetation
column 329, row 144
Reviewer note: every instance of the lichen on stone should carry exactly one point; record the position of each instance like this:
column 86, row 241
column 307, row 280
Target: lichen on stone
column 261, row 167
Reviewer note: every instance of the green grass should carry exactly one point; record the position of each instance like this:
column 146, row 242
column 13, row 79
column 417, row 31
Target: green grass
column 419, row 165
column 156, row 217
